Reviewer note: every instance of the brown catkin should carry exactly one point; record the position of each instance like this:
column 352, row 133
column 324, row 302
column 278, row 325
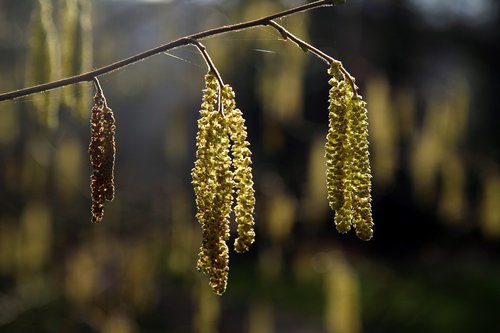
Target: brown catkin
column 243, row 180
column 102, row 155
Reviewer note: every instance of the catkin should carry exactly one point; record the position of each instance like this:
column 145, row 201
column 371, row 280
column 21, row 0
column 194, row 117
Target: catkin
column 348, row 165
column 222, row 167
column 68, row 29
column 243, row 181
column 44, row 62
column 338, row 151
column 102, row 155
column 360, row 172
column 75, row 17
column 202, row 172
column 212, row 180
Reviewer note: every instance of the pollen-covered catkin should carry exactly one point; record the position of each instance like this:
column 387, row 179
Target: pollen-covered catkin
column 338, row 154
column 348, row 165
column 102, row 155
column 212, row 180
column 204, row 185
column 243, row 180
column 361, row 173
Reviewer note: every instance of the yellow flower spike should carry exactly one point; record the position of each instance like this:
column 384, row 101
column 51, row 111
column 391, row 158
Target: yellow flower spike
column 348, row 165
column 202, row 171
column 213, row 184
column 243, row 180
column 360, row 170
column 338, row 152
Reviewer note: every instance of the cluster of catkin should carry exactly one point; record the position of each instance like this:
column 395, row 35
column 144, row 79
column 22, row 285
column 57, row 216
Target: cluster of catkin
column 348, row 166
column 222, row 168
column 102, row 155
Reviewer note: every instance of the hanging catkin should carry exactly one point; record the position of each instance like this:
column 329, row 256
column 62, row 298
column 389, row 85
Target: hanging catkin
column 338, row 152
column 348, row 165
column 212, row 180
column 360, row 170
column 221, row 130
column 102, row 155
column 243, row 180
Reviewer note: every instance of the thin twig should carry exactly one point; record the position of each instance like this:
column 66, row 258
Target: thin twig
column 97, row 85
column 287, row 35
column 169, row 46
column 212, row 69
column 208, row 60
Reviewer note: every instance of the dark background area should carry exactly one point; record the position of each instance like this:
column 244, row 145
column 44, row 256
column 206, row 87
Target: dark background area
column 429, row 73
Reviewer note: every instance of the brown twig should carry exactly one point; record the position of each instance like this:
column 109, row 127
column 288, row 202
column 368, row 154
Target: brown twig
column 89, row 76
column 287, row 35
column 212, row 69
column 97, row 85
column 208, row 60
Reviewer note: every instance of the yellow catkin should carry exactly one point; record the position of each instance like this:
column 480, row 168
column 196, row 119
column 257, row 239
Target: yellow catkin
column 212, row 180
column 201, row 173
column 102, row 156
column 243, row 180
column 348, row 165
column 68, row 22
column 338, row 151
column 360, row 171
column 43, row 62
column 85, row 52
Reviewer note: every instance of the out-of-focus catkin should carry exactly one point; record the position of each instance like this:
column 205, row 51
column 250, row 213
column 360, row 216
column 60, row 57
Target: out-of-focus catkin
column 68, row 29
column 75, row 21
column 243, row 180
column 348, row 165
column 102, row 155
column 44, row 62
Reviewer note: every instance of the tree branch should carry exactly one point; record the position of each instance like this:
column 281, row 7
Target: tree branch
column 165, row 47
column 287, row 35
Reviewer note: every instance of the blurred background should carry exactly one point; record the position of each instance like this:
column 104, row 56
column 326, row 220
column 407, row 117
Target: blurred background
column 429, row 72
